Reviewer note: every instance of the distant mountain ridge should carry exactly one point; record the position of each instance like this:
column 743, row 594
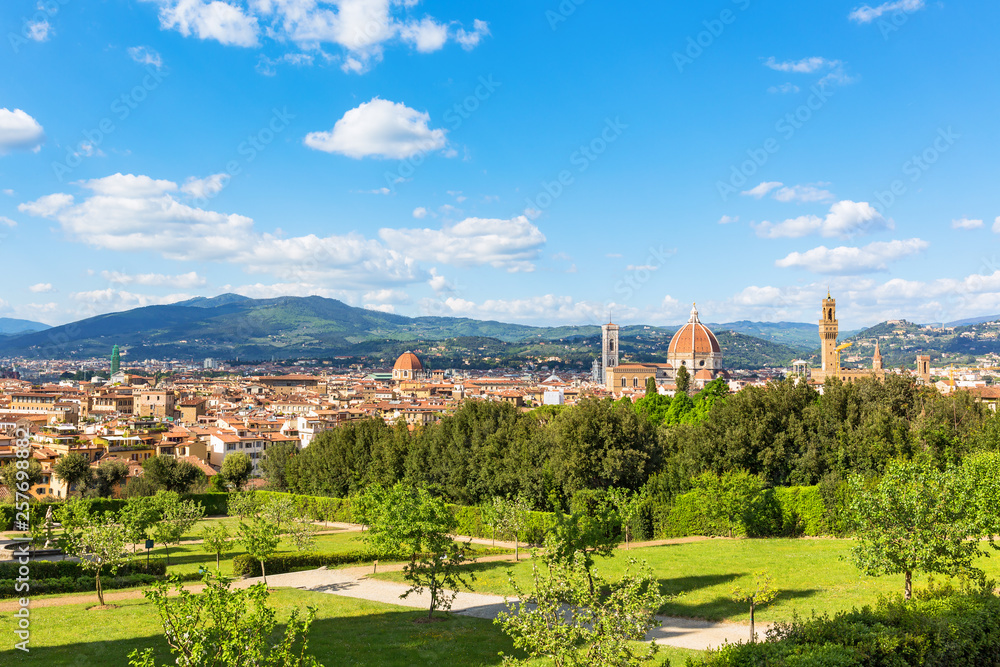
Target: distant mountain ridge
column 11, row 326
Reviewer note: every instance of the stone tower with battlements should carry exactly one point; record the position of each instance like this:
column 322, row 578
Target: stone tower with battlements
column 609, row 348
column 828, row 332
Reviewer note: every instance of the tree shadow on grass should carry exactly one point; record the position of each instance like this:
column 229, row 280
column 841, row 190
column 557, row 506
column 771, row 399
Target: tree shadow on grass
column 389, row 639
column 723, row 608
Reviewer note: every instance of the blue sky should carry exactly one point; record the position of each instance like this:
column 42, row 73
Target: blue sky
column 538, row 162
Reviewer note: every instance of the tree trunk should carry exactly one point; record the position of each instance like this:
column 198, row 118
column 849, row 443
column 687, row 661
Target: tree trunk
column 166, row 548
column 263, row 574
column 218, row 559
column 516, row 545
column 430, row 612
column 753, row 635
column 100, row 591
column 908, row 586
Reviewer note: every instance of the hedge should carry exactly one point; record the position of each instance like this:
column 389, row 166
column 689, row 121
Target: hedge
column 247, row 566
column 47, row 569
column 936, row 629
column 214, row 503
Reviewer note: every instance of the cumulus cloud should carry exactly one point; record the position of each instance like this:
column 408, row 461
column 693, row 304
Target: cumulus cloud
column 380, row 128
column 867, row 14
column 966, row 223
column 110, row 300
column 420, row 212
column 7, row 222
column 726, row 219
column 508, row 244
column 225, row 23
column 19, row 131
column 360, row 28
column 387, row 296
column 996, row 225
column 41, row 288
column 182, row 281
column 846, row 260
column 813, row 192
column 439, row 283
column 145, row 55
column 761, row 190
column 205, row 188
column 844, row 219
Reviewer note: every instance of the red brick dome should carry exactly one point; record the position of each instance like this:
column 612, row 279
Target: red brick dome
column 694, row 338
column 408, row 362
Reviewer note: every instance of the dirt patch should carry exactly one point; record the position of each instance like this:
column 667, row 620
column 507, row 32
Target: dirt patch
column 103, row 607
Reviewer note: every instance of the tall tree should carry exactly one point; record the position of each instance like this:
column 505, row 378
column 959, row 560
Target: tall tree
column 12, row 475
column 171, row 474
column 74, row 470
column 274, row 463
column 682, row 379
column 108, row 476
column 236, row 470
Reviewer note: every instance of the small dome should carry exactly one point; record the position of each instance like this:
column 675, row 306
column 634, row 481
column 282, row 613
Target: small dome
column 693, row 338
column 408, row 362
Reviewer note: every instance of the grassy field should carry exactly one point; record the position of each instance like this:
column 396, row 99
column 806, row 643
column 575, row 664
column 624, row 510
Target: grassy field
column 346, row 632
column 812, row 575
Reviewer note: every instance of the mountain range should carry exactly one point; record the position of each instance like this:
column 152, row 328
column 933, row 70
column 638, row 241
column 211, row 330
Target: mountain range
column 231, row 326
column 10, row 326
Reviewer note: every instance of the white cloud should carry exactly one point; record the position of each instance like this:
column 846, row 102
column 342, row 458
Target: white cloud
column 145, row 55
column 844, row 219
column 38, row 30
column 269, row 66
column 47, row 206
column 804, row 66
column 784, row 89
column 362, row 28
column 389, row 296
column 867, row 14
column 439, row 283
column 19, row 131
column 225, row 23
column 110, row 300
column 380, row 307
column 508, row 244
column 726, row 219
column 851, row 261
column 182, row 281
column 426, row 36
column 8, row 192
column 380, row 128
column 420, row 212
column 996, row 225
column 205, row 188
column 966, row 223
column 803, row 193
column 761, row 190
column 40, row 288
column 129, row 186
column 7, row 222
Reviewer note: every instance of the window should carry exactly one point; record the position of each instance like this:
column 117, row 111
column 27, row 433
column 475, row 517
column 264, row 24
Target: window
column 623, row 382
column 701, row 363
column 635, row 382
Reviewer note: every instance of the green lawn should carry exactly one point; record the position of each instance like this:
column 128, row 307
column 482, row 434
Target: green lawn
column 812, row 575
column 346, row 632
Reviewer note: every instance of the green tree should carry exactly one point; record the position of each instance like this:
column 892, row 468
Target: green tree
column 236, row 470
column 106, row 478
column 916, row 518
column 682, row 379
column 260, row 539
column 21, row 478
column 74, row 470
column 651, row 386
column 216, row 540
column 223, row 627
column 99, row 545
column 275, row 462
column 138, row 516
column 243, row 504
column 279, row 510
column 628, row 505
column 513, row 519
column 578, row 537
column 566, row 618
column 177, row 517
column 171, row 474
column 758, row 591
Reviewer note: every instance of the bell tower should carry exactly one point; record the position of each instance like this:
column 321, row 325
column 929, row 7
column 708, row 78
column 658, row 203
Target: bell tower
column 609, row 348
column 829, row 329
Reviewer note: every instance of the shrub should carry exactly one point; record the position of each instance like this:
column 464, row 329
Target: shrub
column 45, row 569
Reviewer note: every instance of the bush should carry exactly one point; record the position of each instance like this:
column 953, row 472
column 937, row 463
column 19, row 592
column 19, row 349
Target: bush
column 244, row 565
column 79, row 584
column 45, row 569
column 936, row 628
column 215, row 504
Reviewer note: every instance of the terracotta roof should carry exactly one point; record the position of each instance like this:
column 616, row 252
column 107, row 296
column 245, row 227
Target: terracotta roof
column 693, row 338
column 408, row 362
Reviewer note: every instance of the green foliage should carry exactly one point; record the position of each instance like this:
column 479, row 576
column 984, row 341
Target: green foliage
column 275, row 462
column 216, row 540
column 260, row 539
column 578, row 537
column 728, row 498
column 176, row 518
column 21, row 478
column 225, row 627
column 916, row 518
column 682, row 379
column 106, row 478
column 279, row 563
column 100, row 546
column 757, row 591
column 171, row 474
column 568, row 619
column 236, row 470
column 935, row 629
column 243, row 504
column 74, row 470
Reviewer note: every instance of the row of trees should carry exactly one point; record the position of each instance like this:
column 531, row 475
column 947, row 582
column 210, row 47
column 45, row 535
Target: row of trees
column 785, row 434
